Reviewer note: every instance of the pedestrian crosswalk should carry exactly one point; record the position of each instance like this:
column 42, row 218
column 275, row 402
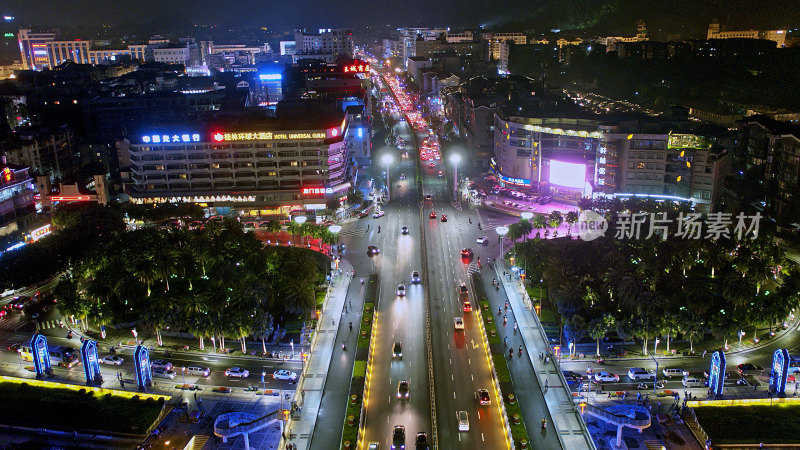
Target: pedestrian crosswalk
column 473, row 268
column 47, row 324
column 353, row 232
column 462, row 227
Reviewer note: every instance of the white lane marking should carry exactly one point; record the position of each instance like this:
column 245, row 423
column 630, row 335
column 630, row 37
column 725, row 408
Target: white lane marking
column 454, row 395
column 482, row 438
column 472, row 377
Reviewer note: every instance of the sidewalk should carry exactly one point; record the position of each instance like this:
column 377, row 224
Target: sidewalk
column 567, row 422
column 312, row 383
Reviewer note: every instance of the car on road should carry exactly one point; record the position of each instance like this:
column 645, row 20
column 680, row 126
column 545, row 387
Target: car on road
column 459, row 323
column 402, row 390
column 404, row 230
column 114, row 360
column 444, row 218
column 431, row 165
column 378, row 214
column 284, row 375
column 674, row 372
column 482, row 240
column 440, row 173
column 401, row 290
column 237, row 372
column 428, row 197
column 748, row 369
column 572, row 377
column 422, row 441
column 402, row 176
column 399, row 437
column 160, row 364
column 467, row 253
column 163, row 373
column 432, row 215
column 397, row 350
column 483, row 397
column 373, row 446
column 372, row 250
column 467, row 306
column 415, row 278
column 601, row 377
column 198, row 370
column 638, row 373
column 463, row 420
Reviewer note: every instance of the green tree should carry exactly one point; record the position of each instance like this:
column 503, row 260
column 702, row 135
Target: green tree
column 355, row 197
column 571, row 218
column 556, row 219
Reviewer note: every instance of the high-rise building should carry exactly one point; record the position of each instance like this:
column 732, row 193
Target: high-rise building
column 259, row 167
column 495, row 39
column 715, row 31
column 326, row 41
column 33, row 48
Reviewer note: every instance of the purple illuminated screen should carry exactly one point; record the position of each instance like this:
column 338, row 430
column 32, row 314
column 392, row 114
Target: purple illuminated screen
column 567, row 174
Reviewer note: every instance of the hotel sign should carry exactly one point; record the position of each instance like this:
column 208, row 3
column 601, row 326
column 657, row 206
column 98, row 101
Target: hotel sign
column 264, row 136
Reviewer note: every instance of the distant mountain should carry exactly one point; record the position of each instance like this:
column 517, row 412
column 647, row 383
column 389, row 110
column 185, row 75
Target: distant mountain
column 688, row 17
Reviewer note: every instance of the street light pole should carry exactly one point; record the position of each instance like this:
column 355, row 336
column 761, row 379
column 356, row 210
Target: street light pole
column 387, row 160
column 502, row 231
column 456, row 158
column 655, row 379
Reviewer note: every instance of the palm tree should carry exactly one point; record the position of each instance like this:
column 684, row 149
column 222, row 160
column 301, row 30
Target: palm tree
column 556, row 219
column 571, row 219
column 539, row 222
column 597, row 330
column 525, row 227
column 274, row 226
column 355, row 197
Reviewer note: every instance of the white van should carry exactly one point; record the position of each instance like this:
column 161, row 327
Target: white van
column 463, row 421
column 674, row 372
column 638, row 373
column 690, row 382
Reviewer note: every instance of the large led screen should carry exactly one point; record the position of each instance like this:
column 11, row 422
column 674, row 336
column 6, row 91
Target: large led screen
column 567, row 174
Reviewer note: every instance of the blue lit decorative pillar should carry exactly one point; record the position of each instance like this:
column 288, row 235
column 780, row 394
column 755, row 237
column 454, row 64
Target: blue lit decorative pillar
column 91, row 363
column 41, row 355
column 779, row 372
column 716, row 377
column 141, row 361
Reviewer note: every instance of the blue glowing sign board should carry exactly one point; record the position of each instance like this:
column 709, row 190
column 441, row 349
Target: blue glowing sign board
column 41, row 355
column 91, row 362
column 170, row 138
column 716, row 375
column 141, row 360
column 780, row 371
column 269, row 77
column 511, row 180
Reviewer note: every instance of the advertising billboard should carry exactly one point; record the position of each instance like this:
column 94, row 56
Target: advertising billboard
column 567, row 174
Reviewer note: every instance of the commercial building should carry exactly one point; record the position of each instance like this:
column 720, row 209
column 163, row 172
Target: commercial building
column 715, row 31
column 570, row 158
column 173, row 54
column 416, row 66
column 259, row 167
column 769, row 157
column 327, row 41
column 33, row 48
column 17, row 208
column 76, row 51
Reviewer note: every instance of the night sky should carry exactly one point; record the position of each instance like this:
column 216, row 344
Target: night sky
column 271, row 13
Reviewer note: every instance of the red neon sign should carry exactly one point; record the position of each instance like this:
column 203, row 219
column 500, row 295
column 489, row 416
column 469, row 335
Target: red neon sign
column 7, row 174
column 317, row 191
column 218, row 137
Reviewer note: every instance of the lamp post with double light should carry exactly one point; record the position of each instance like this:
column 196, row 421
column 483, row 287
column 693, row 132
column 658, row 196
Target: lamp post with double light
column 387, row 161
column 300, row 221
column 455, row 158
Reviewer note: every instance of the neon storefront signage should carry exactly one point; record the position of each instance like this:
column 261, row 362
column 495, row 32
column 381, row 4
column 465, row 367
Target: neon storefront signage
column 510, row 180
column 263, row 136
column 317, row 191
column 356, row 68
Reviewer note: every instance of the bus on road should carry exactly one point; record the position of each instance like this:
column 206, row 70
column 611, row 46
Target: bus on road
column 59, row 355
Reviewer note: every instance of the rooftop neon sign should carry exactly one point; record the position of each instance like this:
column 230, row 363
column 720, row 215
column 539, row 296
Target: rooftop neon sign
column 263, row 136
column 166, row 138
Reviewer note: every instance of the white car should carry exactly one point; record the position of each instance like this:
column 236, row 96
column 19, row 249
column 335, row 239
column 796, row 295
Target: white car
column 160, row 364
column 606, row 377
column 415, row 278
column 638, row 373
column 163, row 373
column 114, row 360
column 284, row 375
column 401, row 290
column 378, row 214
column 237, row 372
column 198, row 370
column 404, row 230
column 459, row 323
column 482, row 240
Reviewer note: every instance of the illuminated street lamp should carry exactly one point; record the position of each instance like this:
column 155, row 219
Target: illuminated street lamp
column 527, row 215
column 502, row 231
column 335, row 229
column 387, row 160
column 455, row 159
